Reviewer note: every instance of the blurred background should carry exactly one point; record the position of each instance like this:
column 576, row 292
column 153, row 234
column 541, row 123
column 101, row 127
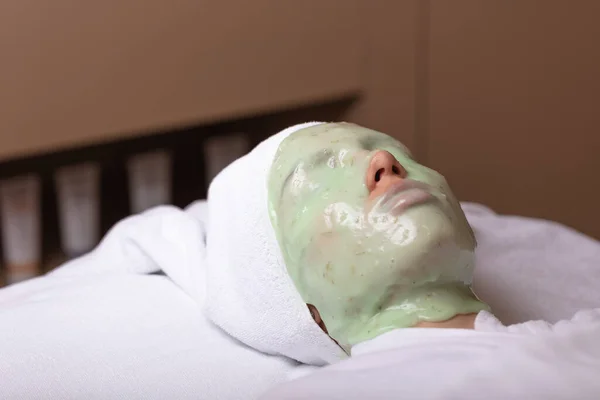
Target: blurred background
column 108, row 108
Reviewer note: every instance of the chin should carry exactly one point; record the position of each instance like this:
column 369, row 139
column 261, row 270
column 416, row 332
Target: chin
column 441, row 246
column 439, row 225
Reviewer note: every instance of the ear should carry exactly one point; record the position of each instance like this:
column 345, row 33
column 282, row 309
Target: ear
column 317, row 317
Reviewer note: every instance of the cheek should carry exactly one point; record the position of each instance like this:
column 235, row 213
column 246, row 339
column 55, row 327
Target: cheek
column 323, row 245
column 337, row 264
column 327, row 255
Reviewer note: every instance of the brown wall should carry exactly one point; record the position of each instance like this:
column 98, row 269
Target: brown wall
column 389, row 70
column 514, row 100
column 499, row 95
column 75, row 72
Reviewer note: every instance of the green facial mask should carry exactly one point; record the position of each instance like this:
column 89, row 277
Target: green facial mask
column 368, row 265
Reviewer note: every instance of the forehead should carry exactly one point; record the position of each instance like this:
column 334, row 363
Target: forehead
column 337, row 135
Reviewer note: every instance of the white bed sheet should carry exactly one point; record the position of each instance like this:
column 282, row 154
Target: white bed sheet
column 121, row 337
column 132, row 335
column 531, row 269
column 106, row 326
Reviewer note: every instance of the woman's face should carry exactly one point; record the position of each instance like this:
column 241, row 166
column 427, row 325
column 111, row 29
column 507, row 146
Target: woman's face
column 364, row 228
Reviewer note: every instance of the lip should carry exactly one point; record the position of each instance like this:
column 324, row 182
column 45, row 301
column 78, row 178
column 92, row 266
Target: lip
column 405, row 194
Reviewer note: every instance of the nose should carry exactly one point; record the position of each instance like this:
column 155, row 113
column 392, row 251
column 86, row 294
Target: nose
column 383, row 171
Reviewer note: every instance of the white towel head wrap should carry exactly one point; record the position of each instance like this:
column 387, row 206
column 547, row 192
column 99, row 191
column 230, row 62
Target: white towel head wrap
column 249, row 292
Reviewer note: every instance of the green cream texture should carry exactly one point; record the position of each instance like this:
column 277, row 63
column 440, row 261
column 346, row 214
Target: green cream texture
column 366, row 269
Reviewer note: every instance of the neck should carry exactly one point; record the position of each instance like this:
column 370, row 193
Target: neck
column 461, row 321
column 450, row 305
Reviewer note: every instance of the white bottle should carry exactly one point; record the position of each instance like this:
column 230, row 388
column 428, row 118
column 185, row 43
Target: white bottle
column 149, row 180
column 220, row 151
column 78, row 192
column 21, row 227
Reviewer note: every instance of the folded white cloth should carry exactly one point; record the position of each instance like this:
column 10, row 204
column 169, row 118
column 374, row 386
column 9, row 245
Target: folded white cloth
column 529, row 269
column 162, row 239
column 443, row 364
column 104, row 327
column 249, row 293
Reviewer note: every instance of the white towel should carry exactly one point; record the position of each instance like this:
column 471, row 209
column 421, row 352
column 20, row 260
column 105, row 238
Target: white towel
column 105, row 327
column 442, row 364
column 164, row 239
column 249, row 293
column 531, row 269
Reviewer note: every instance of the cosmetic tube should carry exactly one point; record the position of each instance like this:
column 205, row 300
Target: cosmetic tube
column 220, row 151
column 149, row 180
column 21, row 227
column 78, row 195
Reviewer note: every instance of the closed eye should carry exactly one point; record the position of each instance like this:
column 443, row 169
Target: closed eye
column 321, row 157
column 368, row 143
